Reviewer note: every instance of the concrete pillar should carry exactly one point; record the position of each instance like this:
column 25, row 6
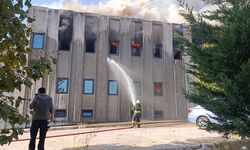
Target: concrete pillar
column 75, row 90
column 125, row 55
column 169, row 73
column 101, row 71
column 147, row 71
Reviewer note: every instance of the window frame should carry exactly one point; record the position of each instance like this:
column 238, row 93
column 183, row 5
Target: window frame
column 33, row 39
column 67, row 87
column 117, row 88
column 93, row 86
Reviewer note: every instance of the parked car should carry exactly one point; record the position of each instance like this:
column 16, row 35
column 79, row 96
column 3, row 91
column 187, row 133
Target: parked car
column 200, row 116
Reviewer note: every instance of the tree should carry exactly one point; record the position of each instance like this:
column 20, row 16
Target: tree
column 220, row 52
column 16, row 69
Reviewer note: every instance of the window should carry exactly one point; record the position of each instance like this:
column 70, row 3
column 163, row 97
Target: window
column 65, row 31
column 137, row 85
column 60, row 113
column 158, row 50
column 114, row 36
column 88, row 86
column 158, row 114
column 177, row 54
column 90, row 45
column 177, row 46
column 137, row 36
column 157, row 38
column 62, row 86
column 87, row 113
column 113, row 87
column 90, row 33
column 38, row 41
column 136, row 49
column 158, row 89
column 114, row 47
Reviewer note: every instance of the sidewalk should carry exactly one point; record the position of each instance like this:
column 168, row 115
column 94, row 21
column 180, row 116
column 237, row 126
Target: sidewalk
column 158, row 135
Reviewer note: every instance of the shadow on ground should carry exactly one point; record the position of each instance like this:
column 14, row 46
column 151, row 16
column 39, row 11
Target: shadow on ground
column 175, row 145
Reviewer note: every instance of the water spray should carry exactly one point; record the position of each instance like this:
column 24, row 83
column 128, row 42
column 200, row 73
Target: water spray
column 127, row 78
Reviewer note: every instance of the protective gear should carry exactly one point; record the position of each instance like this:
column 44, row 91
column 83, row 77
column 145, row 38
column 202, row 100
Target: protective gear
column 136, row 114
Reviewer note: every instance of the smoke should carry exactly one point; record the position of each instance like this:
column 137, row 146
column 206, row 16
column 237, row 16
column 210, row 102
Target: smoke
column 157, row 10
column 91, row 28
column 65, row 30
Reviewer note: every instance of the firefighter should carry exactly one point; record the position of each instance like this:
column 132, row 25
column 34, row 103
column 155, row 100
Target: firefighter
column 136, row 114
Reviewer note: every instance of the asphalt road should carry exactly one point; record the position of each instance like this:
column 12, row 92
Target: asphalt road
column 151, row 136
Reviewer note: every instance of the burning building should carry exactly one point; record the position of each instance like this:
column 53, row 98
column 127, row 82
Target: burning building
column 86, row 88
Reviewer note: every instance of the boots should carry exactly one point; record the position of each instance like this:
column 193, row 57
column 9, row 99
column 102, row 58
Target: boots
column 133, row 124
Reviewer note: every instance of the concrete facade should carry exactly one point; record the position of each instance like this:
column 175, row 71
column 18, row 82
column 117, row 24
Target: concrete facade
column 76, row 64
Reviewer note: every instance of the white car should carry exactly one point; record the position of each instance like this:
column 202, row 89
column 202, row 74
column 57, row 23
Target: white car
column 200, row 116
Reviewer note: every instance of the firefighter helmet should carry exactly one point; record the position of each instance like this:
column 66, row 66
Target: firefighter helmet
column 137, row 101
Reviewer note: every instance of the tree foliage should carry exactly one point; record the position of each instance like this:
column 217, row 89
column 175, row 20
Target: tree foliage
column 220, row 51
column 16, row 70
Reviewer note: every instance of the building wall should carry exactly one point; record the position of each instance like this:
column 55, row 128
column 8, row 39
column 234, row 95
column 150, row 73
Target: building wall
column 77, row 65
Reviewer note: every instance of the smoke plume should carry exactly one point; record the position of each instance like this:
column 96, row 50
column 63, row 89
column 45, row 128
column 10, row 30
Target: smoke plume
column 157, row 10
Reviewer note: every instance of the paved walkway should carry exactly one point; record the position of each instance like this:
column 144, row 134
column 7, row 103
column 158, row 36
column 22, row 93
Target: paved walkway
column 152, row 135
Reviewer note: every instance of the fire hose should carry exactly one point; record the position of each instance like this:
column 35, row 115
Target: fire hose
column 73, row 134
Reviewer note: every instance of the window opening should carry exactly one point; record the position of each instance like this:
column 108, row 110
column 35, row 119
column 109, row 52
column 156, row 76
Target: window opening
column 158, row 50
column 60, row 113
column 38, row 41
column 88, row 86
column 87, row 113
column 114, row 47
column 158, row 114
column 177, row 31
column 62, row 86
column 137, row 35
column 137, row 86
column 91, row 27
column 113, row 87
column 158, row 89
column 90, row 45
column 65, row 31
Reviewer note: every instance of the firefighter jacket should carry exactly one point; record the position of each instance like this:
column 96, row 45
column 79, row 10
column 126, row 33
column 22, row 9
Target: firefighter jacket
column 137, row 109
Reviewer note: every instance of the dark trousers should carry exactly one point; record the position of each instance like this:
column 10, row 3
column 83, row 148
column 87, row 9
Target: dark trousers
column 136, row 119
column 35, row 126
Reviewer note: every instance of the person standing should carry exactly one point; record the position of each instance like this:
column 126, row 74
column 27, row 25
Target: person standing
column 42, row 106
column 136, row 114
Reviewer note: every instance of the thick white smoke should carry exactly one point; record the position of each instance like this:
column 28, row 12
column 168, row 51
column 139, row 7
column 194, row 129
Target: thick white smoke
column 158, row 10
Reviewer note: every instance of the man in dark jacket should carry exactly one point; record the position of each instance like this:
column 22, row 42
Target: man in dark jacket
column 42, row 106
column 136, row 114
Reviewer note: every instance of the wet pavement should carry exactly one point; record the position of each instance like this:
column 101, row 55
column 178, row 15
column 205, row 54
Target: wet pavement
column 160, row 135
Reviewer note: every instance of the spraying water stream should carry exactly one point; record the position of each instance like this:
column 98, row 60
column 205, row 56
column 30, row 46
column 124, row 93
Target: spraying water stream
column 128, row 80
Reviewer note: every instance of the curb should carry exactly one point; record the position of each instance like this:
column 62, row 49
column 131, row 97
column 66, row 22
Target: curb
column 113, row 124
